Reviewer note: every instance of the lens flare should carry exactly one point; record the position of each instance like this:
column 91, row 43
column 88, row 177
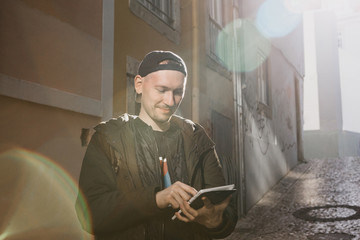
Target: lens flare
column 37, row 199
column 275, row 20
column 238, row 45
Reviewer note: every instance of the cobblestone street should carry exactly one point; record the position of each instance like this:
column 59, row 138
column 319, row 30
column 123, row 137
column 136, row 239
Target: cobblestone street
column 317, row 200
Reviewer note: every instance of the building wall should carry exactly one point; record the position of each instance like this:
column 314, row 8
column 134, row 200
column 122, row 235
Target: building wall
column 331, row 144
column 321, row 144
column 349, row 56
column 270, row 143
column 334, row 54
column 270, row 133
column 311, row 93
column 50, row 77
column 327, row 57
column 349, row 144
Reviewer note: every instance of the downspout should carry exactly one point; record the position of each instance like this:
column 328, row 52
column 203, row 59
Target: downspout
column 238, row 77
column 195, row 64
column 236, row 125
column 107, row 69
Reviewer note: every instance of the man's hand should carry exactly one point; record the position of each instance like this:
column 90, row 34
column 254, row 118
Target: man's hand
column 209, row 215
column 175, row 195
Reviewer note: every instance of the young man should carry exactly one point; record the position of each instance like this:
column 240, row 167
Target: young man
column 138, row 170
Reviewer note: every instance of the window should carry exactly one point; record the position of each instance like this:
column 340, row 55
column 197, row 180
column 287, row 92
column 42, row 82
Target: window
column 216, row 24
column 236, row 4
column 161, row 9
column 263, row 83
column 262, row 76
column 219, row 42
column 216, row 11
column 162, row 15
column 222, row 134
column 340, row 40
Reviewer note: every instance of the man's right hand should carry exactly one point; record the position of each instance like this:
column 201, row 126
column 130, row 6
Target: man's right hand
column 175, row 195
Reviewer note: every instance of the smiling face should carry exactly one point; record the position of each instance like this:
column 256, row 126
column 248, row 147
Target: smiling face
column 161, row 94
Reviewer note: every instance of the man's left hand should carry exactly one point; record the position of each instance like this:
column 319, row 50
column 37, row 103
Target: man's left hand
column 209, row 215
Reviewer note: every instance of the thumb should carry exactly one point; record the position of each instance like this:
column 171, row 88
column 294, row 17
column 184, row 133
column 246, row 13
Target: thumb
column 207, row 202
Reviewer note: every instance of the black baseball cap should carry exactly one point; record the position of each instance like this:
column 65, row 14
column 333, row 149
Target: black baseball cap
column 156, row 60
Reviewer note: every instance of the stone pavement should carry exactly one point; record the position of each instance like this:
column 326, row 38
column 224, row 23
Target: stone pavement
column 317, row 200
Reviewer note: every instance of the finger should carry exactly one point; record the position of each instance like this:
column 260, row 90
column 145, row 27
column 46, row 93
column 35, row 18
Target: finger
column 181, row 192
column 207, row 202
column 177, row 198
column 174, row 204
column 185, row 195
column 181, row 217
column 189, row 212
column 223, row 204
column 186, row 188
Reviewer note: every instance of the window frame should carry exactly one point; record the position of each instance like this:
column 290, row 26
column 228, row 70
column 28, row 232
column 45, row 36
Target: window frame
column 263, row 84
column 215, row 25
column 152, row 14
column 132, row 107
column 161, row 9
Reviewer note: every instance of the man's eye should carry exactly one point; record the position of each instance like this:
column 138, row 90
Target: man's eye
column 161, row 90
column 180, row 93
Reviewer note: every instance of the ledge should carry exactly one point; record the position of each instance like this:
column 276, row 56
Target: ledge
column 37, row 93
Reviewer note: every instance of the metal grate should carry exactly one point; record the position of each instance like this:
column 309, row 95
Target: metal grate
column 163, row 9
column 328, row 213
column 217, row 48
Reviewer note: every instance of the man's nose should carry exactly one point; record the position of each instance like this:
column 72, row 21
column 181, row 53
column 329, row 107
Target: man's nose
column 169, row 98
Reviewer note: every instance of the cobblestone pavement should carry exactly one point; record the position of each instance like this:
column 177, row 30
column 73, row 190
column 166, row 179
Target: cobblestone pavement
column 324, row 194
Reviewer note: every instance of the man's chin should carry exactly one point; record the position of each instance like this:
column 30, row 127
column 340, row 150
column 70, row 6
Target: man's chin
column 164, row 118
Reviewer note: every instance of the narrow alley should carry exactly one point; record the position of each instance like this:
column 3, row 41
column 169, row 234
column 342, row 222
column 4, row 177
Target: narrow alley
column 317, row 200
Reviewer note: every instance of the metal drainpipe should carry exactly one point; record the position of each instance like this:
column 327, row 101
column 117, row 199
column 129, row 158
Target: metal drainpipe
column 238, row 127
column 195, row 64
column 239, row 121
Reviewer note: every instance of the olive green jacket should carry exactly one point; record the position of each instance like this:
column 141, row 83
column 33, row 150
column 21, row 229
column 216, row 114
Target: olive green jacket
column 119, row 206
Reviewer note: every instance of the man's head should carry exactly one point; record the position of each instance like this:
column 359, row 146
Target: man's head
column 161, row 60
column 160, row 83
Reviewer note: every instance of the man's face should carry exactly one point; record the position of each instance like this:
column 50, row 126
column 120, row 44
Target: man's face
column 162, row 92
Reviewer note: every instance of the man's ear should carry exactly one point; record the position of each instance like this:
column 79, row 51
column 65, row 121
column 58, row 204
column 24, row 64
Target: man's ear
column 138, row 80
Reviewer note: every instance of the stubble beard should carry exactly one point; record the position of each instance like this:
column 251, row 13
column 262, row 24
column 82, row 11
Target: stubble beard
column 163, row 117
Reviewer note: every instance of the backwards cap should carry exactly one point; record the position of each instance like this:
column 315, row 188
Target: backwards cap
column 156, row 60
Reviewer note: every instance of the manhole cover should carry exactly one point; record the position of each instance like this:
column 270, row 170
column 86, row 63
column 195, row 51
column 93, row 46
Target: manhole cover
column 328, row 213
column 331, row 236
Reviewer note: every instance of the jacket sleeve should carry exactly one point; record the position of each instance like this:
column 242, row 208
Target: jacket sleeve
column 212, row 177
column 109, row 210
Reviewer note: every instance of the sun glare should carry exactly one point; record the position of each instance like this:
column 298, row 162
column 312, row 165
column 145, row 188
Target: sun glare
column 38, row 198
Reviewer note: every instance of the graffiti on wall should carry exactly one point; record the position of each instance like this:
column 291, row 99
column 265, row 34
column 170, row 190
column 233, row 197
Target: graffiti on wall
column 279, row 129
column 257, row 126
column 285, row 112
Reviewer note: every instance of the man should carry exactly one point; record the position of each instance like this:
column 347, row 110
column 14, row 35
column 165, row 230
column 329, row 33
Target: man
column 138, row 170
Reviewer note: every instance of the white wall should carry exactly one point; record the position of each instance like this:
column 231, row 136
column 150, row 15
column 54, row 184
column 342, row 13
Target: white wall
column 349, row 54
column 328, row 71
column 311, row 96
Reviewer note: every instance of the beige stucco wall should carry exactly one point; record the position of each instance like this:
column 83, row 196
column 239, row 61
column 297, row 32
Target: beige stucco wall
column 50, row 71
